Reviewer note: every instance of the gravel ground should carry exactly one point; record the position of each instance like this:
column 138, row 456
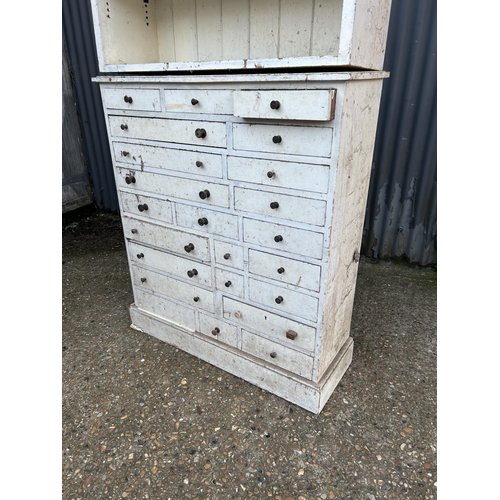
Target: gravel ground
column 144, row 420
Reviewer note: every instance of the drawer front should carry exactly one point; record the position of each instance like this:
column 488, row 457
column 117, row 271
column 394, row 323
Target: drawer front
column 291, row 140
column 176, row 187
column 302, row 176
column 230, row 283
column 276, row 354
column 283, row 206
column 173, row 264
column 206, row 220
column 218, row 329
column 279, row 298
column 146, row 206
column 285, row 104
column 175, row 241
column 169, row 130
column 228, row 254
column 284, row 270
column 169, row 311
column 158, row 283
column 270, row 324
column 288, row 239
column 132, row 99
column 214, row 102
column 191, row 162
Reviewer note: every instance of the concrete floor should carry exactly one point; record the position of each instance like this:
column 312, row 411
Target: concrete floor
column 143, row 420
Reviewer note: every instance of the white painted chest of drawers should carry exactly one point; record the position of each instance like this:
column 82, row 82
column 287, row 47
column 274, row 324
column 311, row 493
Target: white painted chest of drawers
column 242, row 199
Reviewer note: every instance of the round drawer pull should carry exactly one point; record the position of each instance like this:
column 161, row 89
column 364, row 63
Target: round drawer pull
column 134, row 231
column 204, row 194
column 130, row 179
column 143, row 207
column 227, row 256
column 277, row 139
column 196, row 299
column 201, row 133
column 124, row 126
column 278, row 299
column 125, row 153
column 273, row 355
column 227, row 284
column 203, row 221
column 140, row 255
column 143, row 280
column 271, row 174
column 189, row 247
column 128, row 99
column 274, row 205
column 199, row 164
column 278, row 238
column 194, row 101
column 192, row 273
column 281, row 270
column 215, row 331
column 275, row 105
column 238, row 314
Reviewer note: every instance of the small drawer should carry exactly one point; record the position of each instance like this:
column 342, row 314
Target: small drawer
column 169, row 130
column 293, row 272
column 282, row 206
column 213, row 102
column 230, row 283
column 164, row 285
column 179, row 242
column 217, row 329
column 170, row 312
column 146, row 206
column 173, row 264
column 276, row 354
column 209, row 221
column 316, row 105
column 302, row 176
column 282, row 299
column 287, row 239
column 191, row 162
column 176, row 187
column 286, row 331
column 132, row 99
column 279, row 139
column 228, row 254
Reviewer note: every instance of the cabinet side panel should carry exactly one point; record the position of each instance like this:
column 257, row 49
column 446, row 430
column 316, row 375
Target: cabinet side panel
column 359, row 123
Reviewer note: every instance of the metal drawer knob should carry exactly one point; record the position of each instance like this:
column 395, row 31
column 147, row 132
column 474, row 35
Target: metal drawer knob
column 201, row 133
column 278, row 238
column 199, row 164
column 128, row 99
column 196, row 299
column 194, row 102
column 140, row 255
column 204, row 194
column 124, row 126
column 281, row 270
column 271, row 174
column 277, row 139
column 189, row 247
column 192, row 273
column 274, row 205
column 143, row 207
column 275, row 105
column 227, row 256
column 203, row 221
column 227, row 284
column 273, row 355
column 130, row 179
column 278, row 299
column 215, row 331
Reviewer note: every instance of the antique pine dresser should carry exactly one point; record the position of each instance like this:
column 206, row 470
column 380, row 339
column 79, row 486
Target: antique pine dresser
column 242, row 134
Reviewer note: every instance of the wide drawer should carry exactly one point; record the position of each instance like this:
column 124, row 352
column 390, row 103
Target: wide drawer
column 214, row 102
column 285, row 104
column 272, row 325
column 138, row 204
column 167, row 239
column 282, row 206
column 169, row 130
column 191, row 162
column 218, row 329
column 283, row 269
column 175, row 289
column 288, row 239
column 169, row 263
column 132, row 99
column 279, row 355
column 290, row 140
column 176, row 187
column 302, row 176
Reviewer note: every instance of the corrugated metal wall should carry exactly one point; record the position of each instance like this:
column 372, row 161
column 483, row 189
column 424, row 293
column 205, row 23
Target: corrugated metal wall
column 401, row 219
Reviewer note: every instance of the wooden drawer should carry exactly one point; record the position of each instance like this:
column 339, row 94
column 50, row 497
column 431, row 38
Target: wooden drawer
column 269, row 324
column 284, row 270
column 230, row 283
column 138, row 204
column 170, row 312
column 283, row 206
column 288, row 239
column 176, row 187
column 164, row 285
column 173, row 264
column 279, row 355
column 228, row 254
column 132, row 99
column 191, row 162
column 172, row 240
column 169, row 130
column 318, row 105
column 279, row 298
column 293, row 140
column 218, row 329
column 302, row 176
column 214, row 102
column 206, row 220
